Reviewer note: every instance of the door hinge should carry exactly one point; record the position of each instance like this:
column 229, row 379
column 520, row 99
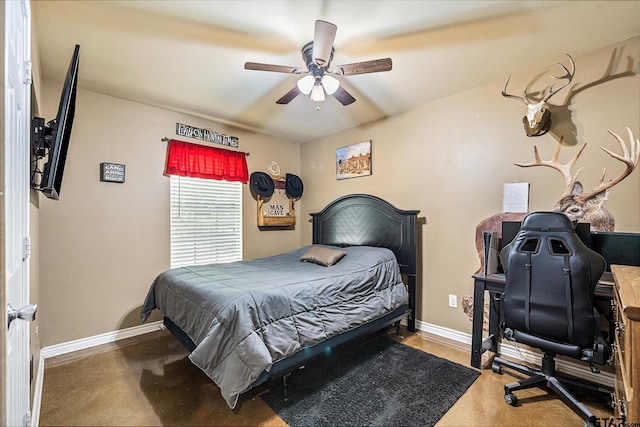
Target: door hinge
column 27, row 72
column 27, row 419
column 26, row 248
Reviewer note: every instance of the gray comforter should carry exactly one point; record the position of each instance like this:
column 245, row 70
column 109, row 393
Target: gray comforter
column 247, row 315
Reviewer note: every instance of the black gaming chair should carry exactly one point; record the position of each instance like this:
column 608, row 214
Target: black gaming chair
column 548, row 303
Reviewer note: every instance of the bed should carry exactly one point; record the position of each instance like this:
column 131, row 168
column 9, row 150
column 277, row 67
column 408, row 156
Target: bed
column 251, row 321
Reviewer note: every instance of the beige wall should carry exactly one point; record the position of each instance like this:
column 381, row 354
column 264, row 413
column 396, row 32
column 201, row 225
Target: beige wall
column 102, row 244
column 450, row 159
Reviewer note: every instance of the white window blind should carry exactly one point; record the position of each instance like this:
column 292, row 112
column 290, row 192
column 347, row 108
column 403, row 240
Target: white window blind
column 206, row 221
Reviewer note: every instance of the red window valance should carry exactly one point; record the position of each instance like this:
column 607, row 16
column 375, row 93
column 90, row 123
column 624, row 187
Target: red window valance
column 199, row 161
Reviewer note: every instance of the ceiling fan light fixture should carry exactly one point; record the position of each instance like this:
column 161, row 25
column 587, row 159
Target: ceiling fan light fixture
column 318, row 55
column 305, row 84
column 317, row 93
column 330, row 84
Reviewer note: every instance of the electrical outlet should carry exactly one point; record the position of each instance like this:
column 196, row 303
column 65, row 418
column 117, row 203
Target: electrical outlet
column 453, row 301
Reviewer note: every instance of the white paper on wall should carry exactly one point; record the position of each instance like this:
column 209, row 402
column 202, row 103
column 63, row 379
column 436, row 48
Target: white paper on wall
column 515, row 197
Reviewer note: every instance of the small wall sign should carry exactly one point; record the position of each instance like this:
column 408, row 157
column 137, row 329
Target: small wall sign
column 206, row 135
column 276, row 209
column 111, row 172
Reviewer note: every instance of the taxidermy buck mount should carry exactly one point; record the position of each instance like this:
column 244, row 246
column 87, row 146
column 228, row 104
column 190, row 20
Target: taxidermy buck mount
column 538, row 119
column 587, row 207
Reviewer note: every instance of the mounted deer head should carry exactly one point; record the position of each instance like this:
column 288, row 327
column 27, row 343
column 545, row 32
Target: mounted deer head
column 587, row 207
column 538, row 119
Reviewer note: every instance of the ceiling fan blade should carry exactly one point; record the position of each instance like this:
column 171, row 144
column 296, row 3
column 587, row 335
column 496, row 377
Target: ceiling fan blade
column 274, row 68
column 374, row 66
column 288, row 97
column 323, row 38
column 343, row 96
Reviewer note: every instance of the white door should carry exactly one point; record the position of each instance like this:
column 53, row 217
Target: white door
column 16, row 195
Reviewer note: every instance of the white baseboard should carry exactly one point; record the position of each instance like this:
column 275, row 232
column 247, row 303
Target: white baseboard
column 109, row 337
column 507, row 349
column 76, row 345
column 449, row 334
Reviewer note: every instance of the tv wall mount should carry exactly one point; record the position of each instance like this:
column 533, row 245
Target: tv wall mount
column 41, row 145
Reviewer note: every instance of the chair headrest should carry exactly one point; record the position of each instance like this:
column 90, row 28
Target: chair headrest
column 547, row 221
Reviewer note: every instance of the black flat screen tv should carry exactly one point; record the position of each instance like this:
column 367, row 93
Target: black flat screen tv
column 57, row 133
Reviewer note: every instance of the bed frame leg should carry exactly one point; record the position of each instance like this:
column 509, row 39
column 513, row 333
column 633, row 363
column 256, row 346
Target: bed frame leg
column 397, row 326
column 285, row 387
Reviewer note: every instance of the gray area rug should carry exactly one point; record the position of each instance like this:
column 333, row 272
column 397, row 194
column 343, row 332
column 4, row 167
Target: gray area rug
column 377, row 382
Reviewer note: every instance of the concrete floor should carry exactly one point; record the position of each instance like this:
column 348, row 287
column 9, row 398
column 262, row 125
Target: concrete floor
column 148, row 380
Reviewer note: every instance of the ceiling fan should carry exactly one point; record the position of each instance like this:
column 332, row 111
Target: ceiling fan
column 317, row 55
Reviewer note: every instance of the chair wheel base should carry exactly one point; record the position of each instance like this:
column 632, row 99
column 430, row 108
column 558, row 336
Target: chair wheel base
column 511, row 399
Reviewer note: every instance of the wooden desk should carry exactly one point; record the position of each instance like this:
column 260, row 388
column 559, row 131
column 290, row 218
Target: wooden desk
column 494, row 285
column 626, row 312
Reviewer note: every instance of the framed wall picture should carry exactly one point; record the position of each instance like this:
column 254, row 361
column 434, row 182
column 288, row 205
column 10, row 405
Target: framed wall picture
column 353, row 160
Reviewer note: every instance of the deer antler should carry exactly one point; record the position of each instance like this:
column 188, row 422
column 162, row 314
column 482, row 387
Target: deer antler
column 629, row 157
column 568, row 75
column 522, row 98
column 551, row 91
column 564, row 169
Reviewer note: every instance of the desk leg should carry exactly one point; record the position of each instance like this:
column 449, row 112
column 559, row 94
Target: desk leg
column 476, row 331
column 494, row 321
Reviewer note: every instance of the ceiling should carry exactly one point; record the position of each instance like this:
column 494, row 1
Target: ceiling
column 188, row 56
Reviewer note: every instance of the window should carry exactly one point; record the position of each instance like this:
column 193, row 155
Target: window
column 206, row 221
